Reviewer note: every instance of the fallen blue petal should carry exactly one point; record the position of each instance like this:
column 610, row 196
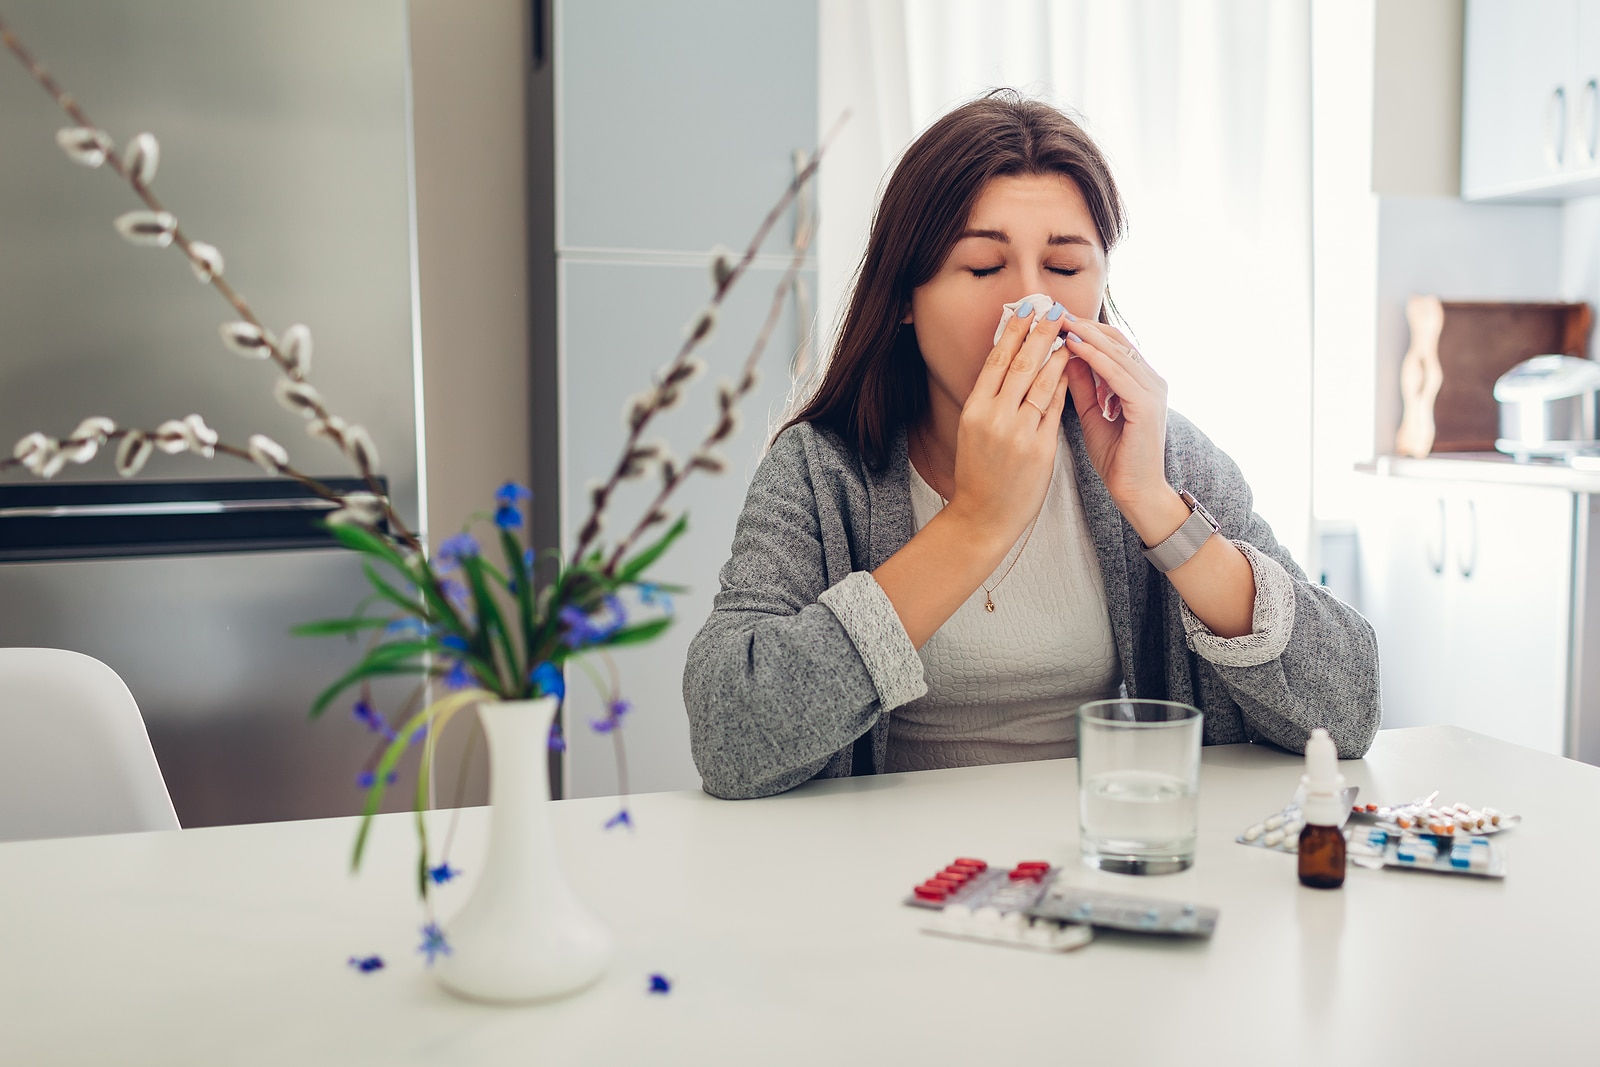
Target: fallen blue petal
column 512, row 493
column 507, row 517
column 620, row 819
column 443, row 873
column 433, row 942
column 659, row 984
column 549, row 680
column 367, row 964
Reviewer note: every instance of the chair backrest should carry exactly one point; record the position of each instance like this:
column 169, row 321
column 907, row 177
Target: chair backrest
column 74, row 755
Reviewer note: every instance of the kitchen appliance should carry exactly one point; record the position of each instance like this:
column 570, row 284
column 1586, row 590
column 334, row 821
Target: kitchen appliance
column 285, row 133
column 1549, row 408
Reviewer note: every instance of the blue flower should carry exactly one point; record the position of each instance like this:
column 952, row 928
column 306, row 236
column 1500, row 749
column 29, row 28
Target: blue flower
column 511, row 494
column 547, row 678
column 459, row 677
column 456, row 593
column 615, row 710
column 454, row 642
column 454, row 549
column 367, row 964
column 409, row 627
column 366, row 779
column 650, row 593
column 659, row 984
column 583, row 629
column 367, row 715
column 557, row 742
column 621, row 818
column 507, row 517
column 443, row 873
column 433, row 942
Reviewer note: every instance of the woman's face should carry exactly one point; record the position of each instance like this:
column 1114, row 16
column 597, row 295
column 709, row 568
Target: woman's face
column 1026, row 234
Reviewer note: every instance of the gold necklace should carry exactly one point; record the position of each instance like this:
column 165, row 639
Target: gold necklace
column 988, row 590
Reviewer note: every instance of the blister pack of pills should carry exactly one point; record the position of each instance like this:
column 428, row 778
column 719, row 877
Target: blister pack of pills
column 1280, row 831
column 1476, row 855
column 1140, row 915
column 973, row 901
column 1444, row 820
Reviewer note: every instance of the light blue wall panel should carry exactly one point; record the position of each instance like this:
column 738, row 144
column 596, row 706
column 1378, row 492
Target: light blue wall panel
column 677, row 121
column 604, row 365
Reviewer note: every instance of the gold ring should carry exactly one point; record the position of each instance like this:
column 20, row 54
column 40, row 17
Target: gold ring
column 1035, row 407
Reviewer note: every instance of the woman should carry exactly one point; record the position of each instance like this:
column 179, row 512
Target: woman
column 960, row 537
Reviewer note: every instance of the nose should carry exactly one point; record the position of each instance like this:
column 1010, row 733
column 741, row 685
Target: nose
column 1037, row 280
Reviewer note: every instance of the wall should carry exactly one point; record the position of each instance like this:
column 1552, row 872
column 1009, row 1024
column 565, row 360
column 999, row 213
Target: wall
column 469, row 65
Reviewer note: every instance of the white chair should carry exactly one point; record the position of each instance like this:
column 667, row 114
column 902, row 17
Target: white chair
column 74, row 755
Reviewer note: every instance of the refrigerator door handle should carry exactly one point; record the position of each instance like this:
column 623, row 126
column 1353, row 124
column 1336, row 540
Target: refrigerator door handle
column 163, row 507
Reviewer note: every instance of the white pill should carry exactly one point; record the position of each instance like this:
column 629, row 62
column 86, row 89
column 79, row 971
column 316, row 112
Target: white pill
column 1254, row 832
column 1273, row 838
column 1462, row 808
column 986, row 916
column 1273, row 822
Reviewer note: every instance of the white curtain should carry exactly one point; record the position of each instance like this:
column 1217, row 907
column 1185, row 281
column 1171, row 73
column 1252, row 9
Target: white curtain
column 1203, row 108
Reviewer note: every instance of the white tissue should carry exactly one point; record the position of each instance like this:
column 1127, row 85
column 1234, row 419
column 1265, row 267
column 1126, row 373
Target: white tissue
column 1110, row 403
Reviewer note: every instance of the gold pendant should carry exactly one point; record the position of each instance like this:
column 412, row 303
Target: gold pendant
column 988, row 602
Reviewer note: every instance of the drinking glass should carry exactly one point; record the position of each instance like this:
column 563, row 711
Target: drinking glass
column 1138, row 785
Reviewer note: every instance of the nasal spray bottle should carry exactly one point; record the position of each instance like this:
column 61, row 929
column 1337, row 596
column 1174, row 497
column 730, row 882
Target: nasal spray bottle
column 1322, row 841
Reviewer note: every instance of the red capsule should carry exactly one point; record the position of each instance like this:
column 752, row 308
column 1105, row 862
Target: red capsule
column 968, row 862
column 929, row 892
column 1031, row 865
column 961, row 877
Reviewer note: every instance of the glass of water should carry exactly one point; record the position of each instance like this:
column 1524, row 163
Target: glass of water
column 1138, row 785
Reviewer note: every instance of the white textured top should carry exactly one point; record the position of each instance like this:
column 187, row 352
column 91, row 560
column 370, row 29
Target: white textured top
column 1005, row 687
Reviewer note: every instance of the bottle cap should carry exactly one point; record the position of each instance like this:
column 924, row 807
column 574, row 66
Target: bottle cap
column 1324, row 784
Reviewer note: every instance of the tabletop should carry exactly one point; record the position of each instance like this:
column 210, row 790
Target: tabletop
column 780, row 926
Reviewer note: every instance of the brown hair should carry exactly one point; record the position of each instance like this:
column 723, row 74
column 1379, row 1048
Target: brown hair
column 876, row 381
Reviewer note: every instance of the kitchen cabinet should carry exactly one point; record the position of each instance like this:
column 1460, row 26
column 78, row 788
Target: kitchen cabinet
column 1530, row 101
column 1478, row 574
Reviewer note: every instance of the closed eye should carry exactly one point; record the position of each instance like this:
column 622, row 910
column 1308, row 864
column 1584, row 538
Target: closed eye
column 984, row 272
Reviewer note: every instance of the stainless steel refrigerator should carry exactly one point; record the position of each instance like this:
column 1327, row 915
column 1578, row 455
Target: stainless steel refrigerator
column 284, row 130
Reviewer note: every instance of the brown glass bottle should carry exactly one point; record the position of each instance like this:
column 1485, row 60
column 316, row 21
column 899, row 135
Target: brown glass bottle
column 1322, row 857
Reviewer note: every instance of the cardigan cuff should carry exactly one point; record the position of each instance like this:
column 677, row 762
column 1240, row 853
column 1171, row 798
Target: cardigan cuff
column 1271, row 622
column 866, row 614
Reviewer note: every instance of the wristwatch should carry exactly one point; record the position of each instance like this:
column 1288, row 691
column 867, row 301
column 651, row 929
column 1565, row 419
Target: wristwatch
column 1186, row 540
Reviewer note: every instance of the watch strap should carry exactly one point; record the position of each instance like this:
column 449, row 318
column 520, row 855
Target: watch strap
column 1186, row 540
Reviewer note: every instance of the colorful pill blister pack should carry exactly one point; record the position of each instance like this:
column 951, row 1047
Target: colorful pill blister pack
column 1376, row 847
column 1416, row 836
column 1020, row 908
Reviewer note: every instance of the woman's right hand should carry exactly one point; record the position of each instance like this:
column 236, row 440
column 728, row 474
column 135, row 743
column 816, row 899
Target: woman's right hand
column 1006, row 439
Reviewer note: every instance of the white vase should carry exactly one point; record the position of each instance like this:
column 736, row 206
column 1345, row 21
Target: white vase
column 523, row 934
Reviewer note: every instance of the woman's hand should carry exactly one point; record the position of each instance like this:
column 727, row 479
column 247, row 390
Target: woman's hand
column 1129, row 452
column 1006, row 439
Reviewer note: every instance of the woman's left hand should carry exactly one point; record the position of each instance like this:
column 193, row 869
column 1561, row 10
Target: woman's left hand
column 1129, row 452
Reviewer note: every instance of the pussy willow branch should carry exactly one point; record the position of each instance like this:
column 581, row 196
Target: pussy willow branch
column 228, row 293
column 228, row 450
column 600, row 496
column 654, row 514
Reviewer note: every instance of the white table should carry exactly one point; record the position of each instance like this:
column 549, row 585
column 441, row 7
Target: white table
column 780, row 925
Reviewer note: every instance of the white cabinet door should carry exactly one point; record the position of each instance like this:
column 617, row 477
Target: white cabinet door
column 1510, row 560
column 1469, row 586
column 1519, row 66
column 1405, row 594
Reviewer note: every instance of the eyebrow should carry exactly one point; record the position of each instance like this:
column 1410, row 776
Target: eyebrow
column 1005, row 239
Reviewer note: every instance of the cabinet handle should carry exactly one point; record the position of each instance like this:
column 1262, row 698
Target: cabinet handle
column 1436, row 563
column 1589, row 121
column 1555, row 128
column 1468, row 564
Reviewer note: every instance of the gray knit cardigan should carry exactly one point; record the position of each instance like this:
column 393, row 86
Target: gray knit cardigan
column 796, row 671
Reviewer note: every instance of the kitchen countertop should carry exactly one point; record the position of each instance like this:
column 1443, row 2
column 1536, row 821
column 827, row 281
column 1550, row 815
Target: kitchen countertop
column 1485, row 467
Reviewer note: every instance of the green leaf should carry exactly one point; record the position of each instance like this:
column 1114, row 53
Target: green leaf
column 362, row 540
column 489, row 618
column 638, row 634
column 633, row 568
column 364, row 669
column 410, row 605
column 517, row 565
column 326, row 627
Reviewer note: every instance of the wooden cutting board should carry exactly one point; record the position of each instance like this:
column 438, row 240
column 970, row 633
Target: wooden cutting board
column 1458, row 349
